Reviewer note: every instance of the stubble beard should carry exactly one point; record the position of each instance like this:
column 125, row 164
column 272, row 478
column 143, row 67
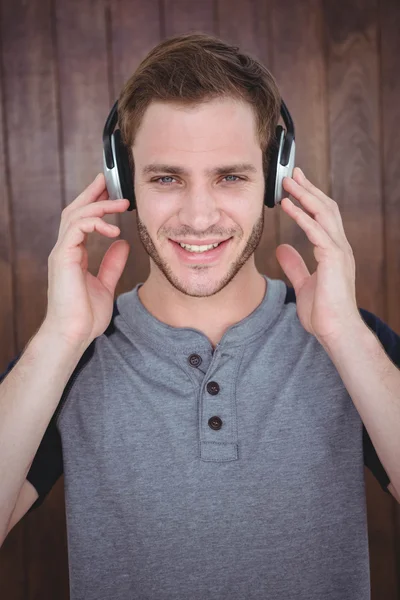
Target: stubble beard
column 202, row 291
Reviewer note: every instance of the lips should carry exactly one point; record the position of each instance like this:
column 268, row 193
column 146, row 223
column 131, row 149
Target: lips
column 205, row 257
column 199, row 242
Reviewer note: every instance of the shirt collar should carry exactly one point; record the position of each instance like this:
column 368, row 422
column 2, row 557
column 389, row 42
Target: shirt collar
column 188, row 339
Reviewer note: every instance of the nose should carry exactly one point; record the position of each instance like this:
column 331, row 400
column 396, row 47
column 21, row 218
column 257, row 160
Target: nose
column 199, row 209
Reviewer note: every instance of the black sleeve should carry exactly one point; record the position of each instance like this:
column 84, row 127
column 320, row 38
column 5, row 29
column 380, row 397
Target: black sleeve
column 390, row 341
column 47, row 465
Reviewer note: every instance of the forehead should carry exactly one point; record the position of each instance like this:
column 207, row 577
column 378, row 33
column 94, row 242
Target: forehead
column 170, row 132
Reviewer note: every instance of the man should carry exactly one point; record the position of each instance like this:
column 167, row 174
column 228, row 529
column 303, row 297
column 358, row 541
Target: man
column 212, row 430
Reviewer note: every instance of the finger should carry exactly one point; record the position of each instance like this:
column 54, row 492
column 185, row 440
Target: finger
column 90, row 194
column 301, row 179
column 76, row 234
column 312, row 189
column 113, row 264
column 99, row 209
column 299, row 176
column 95, row 209
column 292, row 265
column 104, row 195
column 327, row 216
column 313, row 230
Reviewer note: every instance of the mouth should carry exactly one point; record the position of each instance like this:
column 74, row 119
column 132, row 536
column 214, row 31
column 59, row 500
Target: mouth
column 203, row 257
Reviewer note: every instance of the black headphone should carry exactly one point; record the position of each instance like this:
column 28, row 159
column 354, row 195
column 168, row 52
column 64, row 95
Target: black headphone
column 118, row 174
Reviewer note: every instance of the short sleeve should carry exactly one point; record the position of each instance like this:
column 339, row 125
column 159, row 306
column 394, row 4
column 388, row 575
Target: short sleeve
column 47, row 465
column 390, row 341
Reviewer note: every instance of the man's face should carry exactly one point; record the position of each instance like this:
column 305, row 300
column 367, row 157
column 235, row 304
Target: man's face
column 179, row 196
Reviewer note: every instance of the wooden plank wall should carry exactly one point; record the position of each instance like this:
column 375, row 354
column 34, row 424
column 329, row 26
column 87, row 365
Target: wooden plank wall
column 61, row 67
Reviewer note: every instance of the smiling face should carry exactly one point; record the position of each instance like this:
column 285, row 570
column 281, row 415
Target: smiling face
column 199, row 179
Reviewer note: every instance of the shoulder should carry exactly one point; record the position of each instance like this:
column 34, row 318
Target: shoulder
column 389, row 338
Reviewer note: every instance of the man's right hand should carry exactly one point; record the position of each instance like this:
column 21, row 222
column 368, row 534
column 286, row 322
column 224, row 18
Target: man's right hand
column 79, row 304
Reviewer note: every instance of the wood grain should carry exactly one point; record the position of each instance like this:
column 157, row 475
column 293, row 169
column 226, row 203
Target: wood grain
column 35, row 191
column 62, row 67
column 12, row 557
column 354, row 109
column 390, row 154
column 181, row 16
column 390, row 151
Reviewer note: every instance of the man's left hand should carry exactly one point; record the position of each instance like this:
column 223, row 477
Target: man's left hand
column 326, row 300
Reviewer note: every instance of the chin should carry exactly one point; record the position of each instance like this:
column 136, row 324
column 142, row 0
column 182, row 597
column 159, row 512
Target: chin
column 199, row 281
column 198, row 289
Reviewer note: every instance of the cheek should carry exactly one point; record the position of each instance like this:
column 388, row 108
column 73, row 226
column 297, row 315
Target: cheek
column 247, row 218
column 153, row 215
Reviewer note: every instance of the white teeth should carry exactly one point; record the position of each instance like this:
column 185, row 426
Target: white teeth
column 198, row 248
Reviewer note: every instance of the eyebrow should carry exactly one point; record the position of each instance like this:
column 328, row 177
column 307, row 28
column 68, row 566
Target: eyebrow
column 176, row 170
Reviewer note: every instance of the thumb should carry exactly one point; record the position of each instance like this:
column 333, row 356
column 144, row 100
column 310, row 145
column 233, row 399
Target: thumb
column 292, row 265
column 113, row 264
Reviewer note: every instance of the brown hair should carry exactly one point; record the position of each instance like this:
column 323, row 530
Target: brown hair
column 196, row 67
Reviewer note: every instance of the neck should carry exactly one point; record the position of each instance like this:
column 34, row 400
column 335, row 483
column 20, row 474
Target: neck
column 211, row 315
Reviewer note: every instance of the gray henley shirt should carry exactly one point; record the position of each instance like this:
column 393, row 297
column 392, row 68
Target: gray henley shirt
column 200, row 474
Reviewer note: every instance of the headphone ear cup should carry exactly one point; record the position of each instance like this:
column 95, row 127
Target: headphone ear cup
column 124, row 170
column 270, row 183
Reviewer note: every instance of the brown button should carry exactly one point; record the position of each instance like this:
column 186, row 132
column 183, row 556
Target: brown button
column 215, row 423
column 195, row 360
column 212, row 388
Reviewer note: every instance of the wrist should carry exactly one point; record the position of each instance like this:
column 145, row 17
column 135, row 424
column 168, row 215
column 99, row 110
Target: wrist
column 350, row 338
column 47, row 336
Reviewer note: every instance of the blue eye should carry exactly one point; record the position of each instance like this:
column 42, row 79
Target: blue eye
column 237, row 177
column 164, row 177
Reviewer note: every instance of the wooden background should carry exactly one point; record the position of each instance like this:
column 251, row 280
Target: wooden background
column 62, row 66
